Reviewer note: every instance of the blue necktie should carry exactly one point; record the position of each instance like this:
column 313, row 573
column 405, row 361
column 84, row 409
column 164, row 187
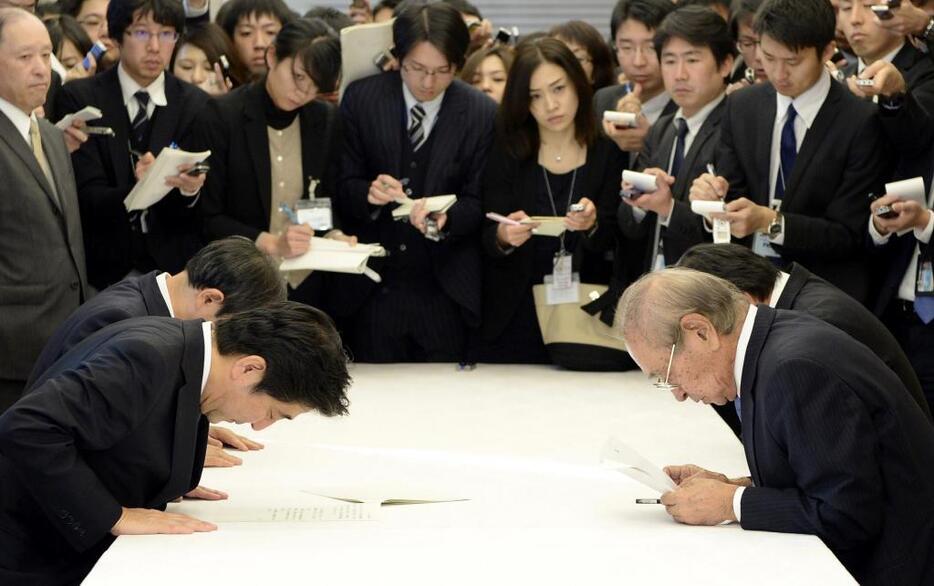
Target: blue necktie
column 788, row 151
column 924, row 307
column 682, row 125
column 738, row 405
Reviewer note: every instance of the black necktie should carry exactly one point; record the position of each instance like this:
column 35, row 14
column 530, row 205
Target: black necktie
column 788, row 152
column 682, row 126
column 139, row 127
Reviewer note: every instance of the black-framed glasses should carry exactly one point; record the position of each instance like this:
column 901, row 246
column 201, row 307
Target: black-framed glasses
column 667, row 386
column 143, row 36
column 421, row 72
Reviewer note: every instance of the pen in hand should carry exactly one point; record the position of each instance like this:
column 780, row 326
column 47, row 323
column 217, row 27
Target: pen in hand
column 288, row 211
column 648, row 501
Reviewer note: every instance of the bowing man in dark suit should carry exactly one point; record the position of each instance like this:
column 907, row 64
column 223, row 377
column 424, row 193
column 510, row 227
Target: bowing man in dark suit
column 547, row 157
column 42, row 274
column 423, row 132
column 274, row 144
column 117, row 427
column 696, row 55
column 835, row 445
column 148, row 110
column 799, row 290
column 796, row 175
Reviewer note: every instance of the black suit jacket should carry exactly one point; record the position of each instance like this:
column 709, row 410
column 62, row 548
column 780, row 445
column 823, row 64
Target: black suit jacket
column 104, row 174
column 815, row 296
column 836, row 448
column 133, row 297
column 237, row 193
column 116, row 422
column 511, row 185
column 842, row 159
column 685, row 228
column 373, row 114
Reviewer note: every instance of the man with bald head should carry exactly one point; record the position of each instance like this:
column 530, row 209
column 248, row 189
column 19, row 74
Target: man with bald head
column 42, row 271
column 832, row 451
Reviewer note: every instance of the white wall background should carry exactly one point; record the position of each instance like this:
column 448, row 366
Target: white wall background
column 528, row 15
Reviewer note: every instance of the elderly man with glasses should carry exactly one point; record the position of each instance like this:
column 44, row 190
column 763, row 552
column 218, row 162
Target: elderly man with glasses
column 835, row 445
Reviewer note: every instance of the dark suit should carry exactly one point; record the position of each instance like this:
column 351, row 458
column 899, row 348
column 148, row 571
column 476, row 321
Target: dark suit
column 42, row 271
column 116, row 422
column 447, row 273
column 238, row 190
column 104, row 172
column 133, row 297
column 835, row 452
column 838, row 165
column 685, row 228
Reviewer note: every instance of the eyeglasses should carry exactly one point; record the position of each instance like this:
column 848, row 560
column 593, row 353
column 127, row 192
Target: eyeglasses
column 143, row 36
column 746, row 44
column 667, row 386
column 93, row 22
column 627, row 48
column 421, row 72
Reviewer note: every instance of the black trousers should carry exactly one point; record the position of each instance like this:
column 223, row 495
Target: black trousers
column 916, row 339
column 10, row 392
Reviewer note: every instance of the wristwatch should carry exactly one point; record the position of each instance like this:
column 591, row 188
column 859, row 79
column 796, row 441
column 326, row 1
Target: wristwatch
column 928, row 34
column 775, row 227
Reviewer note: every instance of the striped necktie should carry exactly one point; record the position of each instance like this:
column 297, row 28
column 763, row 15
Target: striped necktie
column 416, row 127
column 139, row 132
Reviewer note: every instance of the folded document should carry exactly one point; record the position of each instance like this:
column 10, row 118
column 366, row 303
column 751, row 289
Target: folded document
column 335, row 256
column 622, row 458
column 152, row 188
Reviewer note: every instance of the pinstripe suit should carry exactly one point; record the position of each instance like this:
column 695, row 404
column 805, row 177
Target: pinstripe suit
column 834, row 452
column 373, row 113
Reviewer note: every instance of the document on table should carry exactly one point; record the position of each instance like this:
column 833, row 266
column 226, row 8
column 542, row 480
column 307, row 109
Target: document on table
column 335, row 256
column 380, row 495
column 361, row 46
column 622, row 458
column 547, row 225
column 152, row 188
column 302, row 514
column 435, row 204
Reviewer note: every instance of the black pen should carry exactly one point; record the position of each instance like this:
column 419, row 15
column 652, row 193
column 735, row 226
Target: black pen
column 648, row 501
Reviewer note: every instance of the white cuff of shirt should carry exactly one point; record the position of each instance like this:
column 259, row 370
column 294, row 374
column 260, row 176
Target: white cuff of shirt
column 638, row 214
column 671, row 209
column 924, row 236
column 878, row 239
column 737, row 503
column 195, row 12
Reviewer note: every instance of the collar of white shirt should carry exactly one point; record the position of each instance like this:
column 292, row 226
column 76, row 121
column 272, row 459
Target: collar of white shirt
column 162, row 282
column 860, row 64
column 652, row 109
column 779, row 287
column 129, row 87
column 431, row 108
column 207, row 329
column 808, row 104
column 697, row 120
column 19, row 118
column 742, row 345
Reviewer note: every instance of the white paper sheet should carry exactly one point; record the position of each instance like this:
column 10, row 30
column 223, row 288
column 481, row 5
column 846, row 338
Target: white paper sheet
column 384, row 495
column 360, row 44
column 621, row 457
column 644, row 182
column 908, row 190
column 87, row 114
column 705, row 208
column 334, row 256
column 434, row 204
column 152, row 188
column 299, row 514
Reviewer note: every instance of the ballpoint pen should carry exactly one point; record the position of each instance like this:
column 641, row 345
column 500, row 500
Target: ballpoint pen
column 288, row 211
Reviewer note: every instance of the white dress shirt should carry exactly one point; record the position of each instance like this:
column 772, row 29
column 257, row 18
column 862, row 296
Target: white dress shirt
column 431, row 109
column 162, row 282
column 741, row 347
column 207, row 329
column 780, row 281
column 652, row 109
column 807, row 105
column 20, row 119
column 129, row 87
column 906, row 289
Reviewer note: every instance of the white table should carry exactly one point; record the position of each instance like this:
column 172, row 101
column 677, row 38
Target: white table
column 523, row 444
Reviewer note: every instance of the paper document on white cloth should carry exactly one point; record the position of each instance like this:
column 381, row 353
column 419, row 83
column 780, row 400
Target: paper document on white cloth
column 152, row 188
column 436, row 204
column 384, row 495
column 547, row 225
column 298, row 514
column 622, row 458
column 361, row 47
column 335, row 256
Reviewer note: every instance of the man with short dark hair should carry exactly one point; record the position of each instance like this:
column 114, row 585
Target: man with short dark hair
column 148, row 109
column 795, row 176
column 252, row 25
column 416, row 132
column 117, row 427
column 799, row 290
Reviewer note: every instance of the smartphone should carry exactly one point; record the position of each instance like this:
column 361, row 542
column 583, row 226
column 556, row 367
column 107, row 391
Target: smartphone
column 750, row 75
column 96, row 51
column 576, row 207
column 382, row 59
column 884, row 212
column 882, row 11
column 198, row 169
column 864, row 82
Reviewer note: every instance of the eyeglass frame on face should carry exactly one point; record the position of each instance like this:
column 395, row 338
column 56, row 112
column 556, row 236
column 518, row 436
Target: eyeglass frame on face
column 419, row 71
column 93, row 21
column 746, row 44
column 630, row 48
column 667, row 386
column 145, row 36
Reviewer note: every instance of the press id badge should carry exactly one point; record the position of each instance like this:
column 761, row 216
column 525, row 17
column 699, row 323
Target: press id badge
column 315, row 212
column 925, row 283
column 561, row 286
column 721, row 231
column 763, row 247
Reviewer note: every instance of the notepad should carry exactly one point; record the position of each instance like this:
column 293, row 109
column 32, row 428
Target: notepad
column 437, row 204
column 622, row 458
column 547, row 225
column 705, row 208
column 335, row 256
column 152, row 188
column 87, row 114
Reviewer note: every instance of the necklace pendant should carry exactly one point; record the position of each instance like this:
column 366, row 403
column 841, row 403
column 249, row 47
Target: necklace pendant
column 558, row 158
